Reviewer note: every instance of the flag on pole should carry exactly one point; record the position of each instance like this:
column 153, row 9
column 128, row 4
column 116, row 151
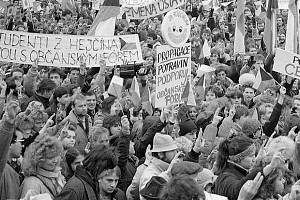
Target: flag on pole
column 239, row 35
column 206, row 49
column 188, row 96
column 69, row 5
column 135, row 92
column 292, row 31
column 270, row 26
column 105, row 21
column 200, row 88
column 263, row 80
column 115, row 87
column 146, row 102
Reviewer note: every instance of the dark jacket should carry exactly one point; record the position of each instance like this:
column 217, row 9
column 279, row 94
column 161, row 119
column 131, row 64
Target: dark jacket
column 269, row 126
column 151, row 126
column 126, row 165
column 231, row 180
column 80, row 187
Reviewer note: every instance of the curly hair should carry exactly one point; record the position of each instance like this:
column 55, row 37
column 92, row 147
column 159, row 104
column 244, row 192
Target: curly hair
column 43, row 147
column 38, row 115
column 267, row 189
column 182, row 188
column 24, row 121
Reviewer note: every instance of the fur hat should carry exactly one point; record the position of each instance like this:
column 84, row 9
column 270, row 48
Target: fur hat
column 247, row 79
column 163, row 143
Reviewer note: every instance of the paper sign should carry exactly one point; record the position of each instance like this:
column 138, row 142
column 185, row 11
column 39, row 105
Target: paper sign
column 153, row 9
column 176, row 28
column 173, row 70
column 287, row 63
column 66, row 50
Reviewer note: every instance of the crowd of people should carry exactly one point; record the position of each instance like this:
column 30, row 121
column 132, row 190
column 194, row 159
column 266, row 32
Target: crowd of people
column 63, row 136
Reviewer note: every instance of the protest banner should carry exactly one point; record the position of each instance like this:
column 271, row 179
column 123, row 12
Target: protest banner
column 136, row 3
column 27, row 4
column 66, row 50
column 287, row 63
column 153, row 9
column 173, row 70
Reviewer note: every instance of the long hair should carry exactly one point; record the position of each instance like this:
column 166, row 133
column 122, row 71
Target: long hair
column 43, row 147
column 231, row 147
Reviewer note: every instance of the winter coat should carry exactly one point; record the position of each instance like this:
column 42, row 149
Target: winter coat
column 151, row 126
column 6, row 134
column 9, row 183
column 43, row 182
column 82, row 134
column 80, row 187
column 231, row 179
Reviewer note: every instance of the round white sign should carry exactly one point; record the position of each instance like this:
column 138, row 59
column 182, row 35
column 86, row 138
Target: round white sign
column 176, row 28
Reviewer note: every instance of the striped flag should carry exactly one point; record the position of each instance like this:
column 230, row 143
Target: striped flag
column 115, row 87
column 239, row 35
column 146, row 102
column 69, row 5
column 188, row 96
column 292, row 31
column 135, row 92
column 263, row 80
column 270, row 26
column 105, row 21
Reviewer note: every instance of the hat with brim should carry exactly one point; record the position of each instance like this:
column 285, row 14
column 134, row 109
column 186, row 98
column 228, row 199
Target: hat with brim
column 163, row 143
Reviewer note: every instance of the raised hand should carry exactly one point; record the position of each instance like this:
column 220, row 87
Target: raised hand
column 82, row 69
column 50, row 121
column 12, row 108
column 217, row 118
column 250, row 188
column 125, row 125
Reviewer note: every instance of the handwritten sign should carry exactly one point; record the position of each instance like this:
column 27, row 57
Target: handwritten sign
column 66, row 50
column 152, row 9
column 287, row 63
column 173, row 70
column 136, row 3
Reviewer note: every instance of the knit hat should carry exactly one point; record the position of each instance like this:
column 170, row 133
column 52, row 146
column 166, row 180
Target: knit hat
column 187, row 127
column 163, row 143
column 205, row 177
column 250, row 126
column 186, row 168
column 153, row 188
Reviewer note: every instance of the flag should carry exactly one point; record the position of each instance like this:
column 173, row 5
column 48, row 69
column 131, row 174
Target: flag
column 263, row 80
column 105, row 21
column 206, row 49
column 188, row 96
column 270, row 26
column 239, row 35
column 69, row 5
column 115, row 87
column 203, row 69
column 292, row 31
column 3, row 8
column 146, row 102
column 200, row 88
column 135, row 92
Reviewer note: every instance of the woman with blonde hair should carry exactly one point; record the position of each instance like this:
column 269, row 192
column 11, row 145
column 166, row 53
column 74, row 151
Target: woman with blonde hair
column 41, row 167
